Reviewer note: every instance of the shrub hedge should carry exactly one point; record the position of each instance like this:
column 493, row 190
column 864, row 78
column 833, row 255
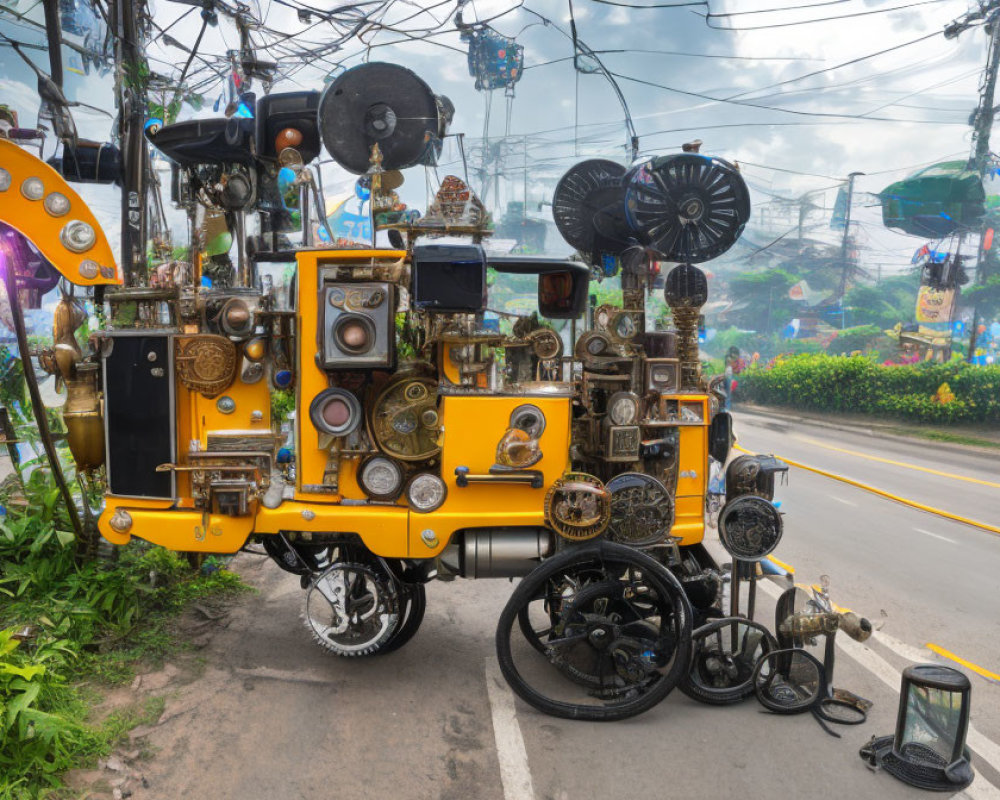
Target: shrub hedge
column 859, row 385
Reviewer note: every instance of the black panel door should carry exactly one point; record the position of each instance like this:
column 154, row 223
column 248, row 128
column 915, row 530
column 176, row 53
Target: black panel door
column 139, row 412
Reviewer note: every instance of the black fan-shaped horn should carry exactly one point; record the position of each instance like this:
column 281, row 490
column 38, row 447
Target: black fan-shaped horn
column 384, row 104
column 589, row 205
column 688, row 207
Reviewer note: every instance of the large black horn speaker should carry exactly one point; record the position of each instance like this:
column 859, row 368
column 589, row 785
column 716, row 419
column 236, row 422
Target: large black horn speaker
column 589, row 209
column 383, row 104
column 688, row 207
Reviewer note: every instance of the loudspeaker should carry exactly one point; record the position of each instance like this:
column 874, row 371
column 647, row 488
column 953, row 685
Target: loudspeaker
column 295, row 112
column 206, row 141
column 359, row 326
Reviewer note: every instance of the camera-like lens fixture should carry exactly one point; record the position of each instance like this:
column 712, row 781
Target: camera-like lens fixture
column 354, row 333
column 426, row 492
column 381, row 478
column 336, row 412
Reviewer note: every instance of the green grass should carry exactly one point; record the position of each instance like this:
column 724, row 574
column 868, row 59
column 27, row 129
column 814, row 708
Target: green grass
column 944, row 436
column 89, row 625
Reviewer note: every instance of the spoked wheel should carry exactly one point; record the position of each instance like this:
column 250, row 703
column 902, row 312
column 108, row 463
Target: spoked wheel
column 353, row 609
column 612, row 641
column 725, row 653
column 538, row 618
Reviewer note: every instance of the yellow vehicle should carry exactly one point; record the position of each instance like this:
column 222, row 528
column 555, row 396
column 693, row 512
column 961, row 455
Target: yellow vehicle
column 434, row 436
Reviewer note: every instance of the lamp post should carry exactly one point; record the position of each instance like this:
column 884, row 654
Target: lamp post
column 845, row 265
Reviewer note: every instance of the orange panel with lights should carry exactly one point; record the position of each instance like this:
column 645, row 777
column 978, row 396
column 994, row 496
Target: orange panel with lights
column 37, row 201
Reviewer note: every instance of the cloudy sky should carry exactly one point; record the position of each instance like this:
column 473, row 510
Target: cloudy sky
column 730, row 72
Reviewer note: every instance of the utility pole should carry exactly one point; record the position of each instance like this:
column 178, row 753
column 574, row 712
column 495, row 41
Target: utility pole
column 845, row 262
column 982, row 124
column 131, row 95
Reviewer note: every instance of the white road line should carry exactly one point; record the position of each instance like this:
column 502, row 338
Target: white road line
column 511, row 752
column 935, row 535
column 986, row 749
column 842, row 500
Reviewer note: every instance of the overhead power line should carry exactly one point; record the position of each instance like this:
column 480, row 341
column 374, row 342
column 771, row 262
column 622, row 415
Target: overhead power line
column 710, row 16
column 748, row 104
column 848, row 63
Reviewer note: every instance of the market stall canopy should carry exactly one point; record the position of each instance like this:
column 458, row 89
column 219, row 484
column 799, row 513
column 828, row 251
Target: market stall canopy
column 935, row 201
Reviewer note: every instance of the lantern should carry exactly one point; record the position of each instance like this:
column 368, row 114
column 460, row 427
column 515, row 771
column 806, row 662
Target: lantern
column 928, row 749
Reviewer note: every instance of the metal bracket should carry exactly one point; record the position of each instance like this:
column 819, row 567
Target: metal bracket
column 498, row 474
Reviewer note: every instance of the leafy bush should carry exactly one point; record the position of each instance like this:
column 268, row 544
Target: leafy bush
column 78, row 620
column 860, row 385
column 850, row 340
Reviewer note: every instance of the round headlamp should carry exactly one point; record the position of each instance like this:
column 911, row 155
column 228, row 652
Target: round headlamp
column 750, row 527
column 426, row 492
column 623, row 408
column 381, row 478
column 78, row 236
column 5, row 180
column 336, row 412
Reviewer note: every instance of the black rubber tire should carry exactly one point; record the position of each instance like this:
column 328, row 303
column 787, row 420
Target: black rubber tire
column 731, row 694
column 415, row 598
column 524, row 623
column 603, row 552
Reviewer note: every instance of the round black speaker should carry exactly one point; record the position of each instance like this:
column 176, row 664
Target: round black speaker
column 686, row 285
column 589, row 204
column 383, row 104
column 688, row 207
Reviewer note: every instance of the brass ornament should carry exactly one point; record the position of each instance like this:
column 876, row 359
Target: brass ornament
column 84, row 419
column 405, row 422
column 518, row 449
column 642, row 511
column 545, row 344
column 578, row 507
column 206, row 363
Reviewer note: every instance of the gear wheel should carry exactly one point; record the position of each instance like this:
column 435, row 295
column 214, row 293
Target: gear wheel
column 352, row 609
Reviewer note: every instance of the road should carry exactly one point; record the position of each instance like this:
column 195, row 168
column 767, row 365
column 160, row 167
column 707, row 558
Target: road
column 937, row 580
column 261, row 712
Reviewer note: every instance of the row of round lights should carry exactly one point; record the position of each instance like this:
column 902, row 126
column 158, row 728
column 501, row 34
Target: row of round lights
column 76, row 235
column 337, row 412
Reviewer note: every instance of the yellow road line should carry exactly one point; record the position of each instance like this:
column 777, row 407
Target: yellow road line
column 959, row 660
column 897, row 463
column 888, row 495
column 782, row 564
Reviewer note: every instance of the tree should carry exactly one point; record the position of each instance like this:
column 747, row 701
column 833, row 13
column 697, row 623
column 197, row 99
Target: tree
column 761, row 299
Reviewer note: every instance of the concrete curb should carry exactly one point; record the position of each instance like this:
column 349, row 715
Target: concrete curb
column 785, row 415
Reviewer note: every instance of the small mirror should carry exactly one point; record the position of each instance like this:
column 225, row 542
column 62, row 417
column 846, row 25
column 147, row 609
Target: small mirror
column 561, row 294
column 720, row 436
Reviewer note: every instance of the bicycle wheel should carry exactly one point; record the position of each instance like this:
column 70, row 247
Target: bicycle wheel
column 724, row 655
column 618, row 643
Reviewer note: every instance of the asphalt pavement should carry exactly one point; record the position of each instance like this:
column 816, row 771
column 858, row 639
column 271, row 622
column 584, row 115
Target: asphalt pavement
column 925, row 578
column 266, row 714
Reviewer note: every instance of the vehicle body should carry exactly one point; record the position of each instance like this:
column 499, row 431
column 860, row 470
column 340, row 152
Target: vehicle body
column 432, row 436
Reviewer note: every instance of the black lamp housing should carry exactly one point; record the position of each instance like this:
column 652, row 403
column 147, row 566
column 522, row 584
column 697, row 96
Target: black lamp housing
column 928, row 749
